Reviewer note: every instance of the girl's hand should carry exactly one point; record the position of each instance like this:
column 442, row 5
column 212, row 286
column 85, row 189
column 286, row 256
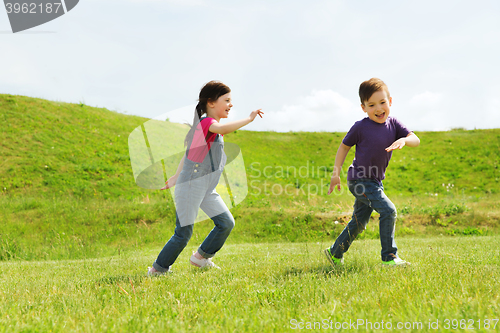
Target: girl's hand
column 255, row 113
column 170, row 183
column 335, row 182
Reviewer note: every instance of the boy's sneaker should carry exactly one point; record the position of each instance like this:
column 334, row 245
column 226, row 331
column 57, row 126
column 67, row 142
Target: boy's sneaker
column 334, row 261
column 153, row 272
column 395, row 262
column 202, row 263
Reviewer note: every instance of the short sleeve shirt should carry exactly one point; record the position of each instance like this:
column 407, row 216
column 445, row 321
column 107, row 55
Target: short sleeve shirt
column 199, row 148
column 371, row 139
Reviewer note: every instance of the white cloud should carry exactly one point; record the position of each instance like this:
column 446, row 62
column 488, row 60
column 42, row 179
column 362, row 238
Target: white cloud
column 181, row 115
column 426, row 99
column 322, row 110
column 428, row 111
column 491, row 117
column 147, row 59
column 18, row 68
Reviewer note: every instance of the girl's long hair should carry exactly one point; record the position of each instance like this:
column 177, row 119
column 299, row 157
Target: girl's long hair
column 211, row 91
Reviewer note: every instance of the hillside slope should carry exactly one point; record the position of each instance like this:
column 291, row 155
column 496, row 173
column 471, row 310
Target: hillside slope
column 67, row 189
column 59, row 147
column 80, row 150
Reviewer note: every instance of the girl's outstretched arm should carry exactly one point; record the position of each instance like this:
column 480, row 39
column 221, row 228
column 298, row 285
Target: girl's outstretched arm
column 232, row 126
column 172, row 180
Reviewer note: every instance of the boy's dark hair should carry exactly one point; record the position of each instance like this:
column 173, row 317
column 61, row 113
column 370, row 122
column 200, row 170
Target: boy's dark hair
column 369, row 87
column 211, row 91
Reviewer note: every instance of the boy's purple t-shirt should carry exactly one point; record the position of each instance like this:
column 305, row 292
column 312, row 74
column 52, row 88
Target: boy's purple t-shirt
column 371, row 139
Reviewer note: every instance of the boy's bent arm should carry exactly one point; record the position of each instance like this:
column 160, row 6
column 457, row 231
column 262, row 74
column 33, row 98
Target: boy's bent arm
column 411, row 140
column 339, row 161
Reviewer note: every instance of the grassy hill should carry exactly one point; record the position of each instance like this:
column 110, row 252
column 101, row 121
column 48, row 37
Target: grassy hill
column 63, row 148
column 82, row 150
column 66, row 184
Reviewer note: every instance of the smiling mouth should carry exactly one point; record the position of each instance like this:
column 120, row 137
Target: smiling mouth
column 380, row 116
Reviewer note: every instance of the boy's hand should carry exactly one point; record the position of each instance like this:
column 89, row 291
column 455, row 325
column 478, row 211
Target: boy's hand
column 398, row 144
column 411, row 140
column 334, row 182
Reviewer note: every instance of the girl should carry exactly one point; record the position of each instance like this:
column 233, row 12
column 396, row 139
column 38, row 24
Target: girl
column 197, row 176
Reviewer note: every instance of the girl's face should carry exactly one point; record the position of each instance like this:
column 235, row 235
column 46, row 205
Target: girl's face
column 378, row 107
column 220, row 108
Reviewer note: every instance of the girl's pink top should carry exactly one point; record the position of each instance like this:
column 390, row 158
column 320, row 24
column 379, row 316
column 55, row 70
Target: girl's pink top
column 199, row 148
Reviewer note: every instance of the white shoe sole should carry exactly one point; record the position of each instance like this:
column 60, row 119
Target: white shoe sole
column 202, row 263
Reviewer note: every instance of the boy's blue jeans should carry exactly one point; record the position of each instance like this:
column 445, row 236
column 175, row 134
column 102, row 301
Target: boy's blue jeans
column 369, row 196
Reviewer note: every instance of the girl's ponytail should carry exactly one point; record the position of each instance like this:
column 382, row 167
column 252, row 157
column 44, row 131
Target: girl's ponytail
column 198, row 112
column 210, row 92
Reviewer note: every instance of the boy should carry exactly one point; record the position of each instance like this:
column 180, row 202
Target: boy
column 375, row 137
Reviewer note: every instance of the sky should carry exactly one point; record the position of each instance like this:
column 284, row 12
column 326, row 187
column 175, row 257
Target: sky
column 300, row 62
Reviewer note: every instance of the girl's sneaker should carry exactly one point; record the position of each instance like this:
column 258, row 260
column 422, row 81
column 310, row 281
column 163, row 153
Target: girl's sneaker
column 153, row 272
column 202, row 263
column 395, row 262
column 334, row 261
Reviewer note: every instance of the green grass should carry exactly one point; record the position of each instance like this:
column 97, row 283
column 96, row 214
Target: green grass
column 261, row 287
column 59, row 149
column 53, row 148
column 67, row 190
column 67, row 228
column 77, row 233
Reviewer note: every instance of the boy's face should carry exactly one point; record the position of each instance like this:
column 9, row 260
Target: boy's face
column 378, row 106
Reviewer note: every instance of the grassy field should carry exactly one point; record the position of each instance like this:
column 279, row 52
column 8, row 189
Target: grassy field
column 278, row 287
column 77, row 234
column 66, row 185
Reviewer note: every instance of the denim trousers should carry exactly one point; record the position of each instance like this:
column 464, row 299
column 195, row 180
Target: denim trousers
column 224, row 223
column 195, row 189
column 369, row 194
